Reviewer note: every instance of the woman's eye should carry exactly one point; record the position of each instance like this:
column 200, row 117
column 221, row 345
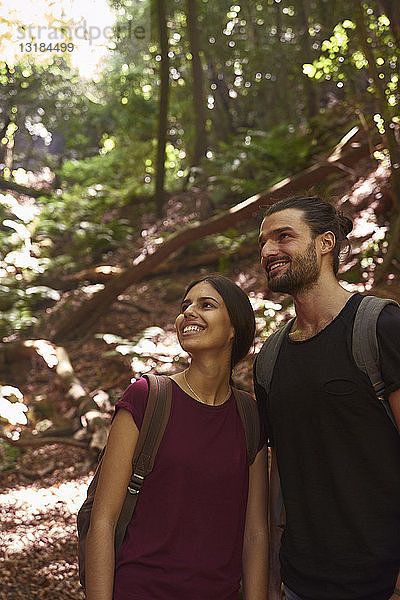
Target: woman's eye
column 208, row 304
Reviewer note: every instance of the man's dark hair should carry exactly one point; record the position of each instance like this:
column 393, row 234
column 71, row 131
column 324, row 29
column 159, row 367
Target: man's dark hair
column 240, row 312
column 320, row 216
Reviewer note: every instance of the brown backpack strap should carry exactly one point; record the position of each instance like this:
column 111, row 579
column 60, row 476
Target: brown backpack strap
column 151, row 432
column 248, row 411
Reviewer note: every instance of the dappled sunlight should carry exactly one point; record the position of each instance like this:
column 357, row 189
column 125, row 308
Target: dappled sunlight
column 46, row 350
column 87, row 25
column 12, row 407
column 152, row 348
column 25, row 211
column 26, row 514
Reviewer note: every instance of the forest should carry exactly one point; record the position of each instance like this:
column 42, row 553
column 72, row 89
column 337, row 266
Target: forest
column 119, row 188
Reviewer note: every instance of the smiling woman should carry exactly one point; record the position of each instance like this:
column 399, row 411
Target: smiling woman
column 199, row 525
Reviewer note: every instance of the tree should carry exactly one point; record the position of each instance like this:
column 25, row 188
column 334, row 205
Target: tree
column 163, row 107
column 200, row 144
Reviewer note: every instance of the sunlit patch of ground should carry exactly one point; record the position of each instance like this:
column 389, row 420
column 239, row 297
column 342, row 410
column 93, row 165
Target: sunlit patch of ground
column 38, row 543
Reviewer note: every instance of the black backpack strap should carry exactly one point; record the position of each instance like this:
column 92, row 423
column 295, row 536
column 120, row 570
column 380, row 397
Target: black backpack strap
column 248, row 411
column 365, row 345
column 266, row 358
column 155, row 420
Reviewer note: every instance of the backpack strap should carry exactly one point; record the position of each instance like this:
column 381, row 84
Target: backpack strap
column 365, row 345
column 248, row 411
column 263, row 371
column 155, row 420
column 266, row 358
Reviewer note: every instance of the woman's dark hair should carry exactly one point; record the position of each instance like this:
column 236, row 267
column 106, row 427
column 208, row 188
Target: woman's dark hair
column 320, row 216
column 240, row 313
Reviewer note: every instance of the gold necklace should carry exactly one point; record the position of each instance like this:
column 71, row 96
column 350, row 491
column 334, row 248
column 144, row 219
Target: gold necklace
column 192, row 390
column 194, row 393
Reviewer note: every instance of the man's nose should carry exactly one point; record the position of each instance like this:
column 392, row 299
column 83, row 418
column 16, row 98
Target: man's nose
column 269, row 248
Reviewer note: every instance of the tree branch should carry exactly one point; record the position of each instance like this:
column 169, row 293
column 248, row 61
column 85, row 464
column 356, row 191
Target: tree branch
column 80, row 322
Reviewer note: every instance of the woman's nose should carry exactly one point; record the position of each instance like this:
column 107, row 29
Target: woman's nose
column 189, row 310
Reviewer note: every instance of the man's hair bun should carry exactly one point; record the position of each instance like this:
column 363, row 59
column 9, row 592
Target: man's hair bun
column 345, row 225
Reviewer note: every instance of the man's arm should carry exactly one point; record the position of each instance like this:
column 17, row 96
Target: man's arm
column 388, row 347
column 394, row 400
column 396, row 593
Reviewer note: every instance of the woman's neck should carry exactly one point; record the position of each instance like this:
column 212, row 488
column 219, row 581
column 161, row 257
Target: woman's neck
column 208, row 381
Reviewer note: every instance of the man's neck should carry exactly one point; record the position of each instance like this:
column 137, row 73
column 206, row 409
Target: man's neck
column 317, row 307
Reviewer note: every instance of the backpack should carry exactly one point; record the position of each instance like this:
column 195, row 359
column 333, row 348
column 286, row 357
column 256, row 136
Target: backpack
column 150, row 435
column 365, row 351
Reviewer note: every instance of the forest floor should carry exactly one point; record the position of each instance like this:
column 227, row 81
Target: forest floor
column 41, row 494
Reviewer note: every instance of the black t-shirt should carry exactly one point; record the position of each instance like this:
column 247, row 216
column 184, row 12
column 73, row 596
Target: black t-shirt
column 339, row 461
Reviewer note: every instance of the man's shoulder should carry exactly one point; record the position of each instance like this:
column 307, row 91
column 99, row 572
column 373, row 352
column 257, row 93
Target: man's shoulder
column 382, row 311
column 388, row 322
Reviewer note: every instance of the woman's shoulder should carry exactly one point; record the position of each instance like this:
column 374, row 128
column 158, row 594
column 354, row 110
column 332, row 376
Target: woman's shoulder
column 134, row 400
column 137, row 388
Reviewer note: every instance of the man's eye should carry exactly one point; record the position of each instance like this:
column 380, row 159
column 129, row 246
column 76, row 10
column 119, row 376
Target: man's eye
column 284, row 235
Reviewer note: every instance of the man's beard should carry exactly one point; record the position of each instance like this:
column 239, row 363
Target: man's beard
column 301, row 274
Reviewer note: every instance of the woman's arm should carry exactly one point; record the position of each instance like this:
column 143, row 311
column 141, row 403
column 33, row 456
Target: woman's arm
column 255, row 546
column 114, row 477
column 275, row 531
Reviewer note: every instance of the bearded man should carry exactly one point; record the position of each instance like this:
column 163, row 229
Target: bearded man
column 335, row 451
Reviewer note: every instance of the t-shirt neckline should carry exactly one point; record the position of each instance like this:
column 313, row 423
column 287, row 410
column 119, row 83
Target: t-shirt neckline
column 338, row 316
column 207, row 406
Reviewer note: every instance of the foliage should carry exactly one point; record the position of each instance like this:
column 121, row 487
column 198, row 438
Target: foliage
column 254, row 160
column 282, row 80
column 343, row 61
column 9, row 456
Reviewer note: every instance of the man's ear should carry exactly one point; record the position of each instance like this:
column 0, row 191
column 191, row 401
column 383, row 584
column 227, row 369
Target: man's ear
column 327, row 242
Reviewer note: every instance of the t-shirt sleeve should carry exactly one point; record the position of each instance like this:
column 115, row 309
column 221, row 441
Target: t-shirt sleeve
column 388, row 331
column 134, row 400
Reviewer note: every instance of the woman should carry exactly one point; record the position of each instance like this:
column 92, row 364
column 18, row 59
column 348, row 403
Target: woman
column 199, row 524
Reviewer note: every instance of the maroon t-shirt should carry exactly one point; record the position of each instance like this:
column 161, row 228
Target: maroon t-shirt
column 184, row 541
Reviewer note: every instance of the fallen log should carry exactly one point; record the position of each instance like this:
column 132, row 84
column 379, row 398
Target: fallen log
column 103, row 273
column 91, row 417
column 35, row 441
column 79, row 322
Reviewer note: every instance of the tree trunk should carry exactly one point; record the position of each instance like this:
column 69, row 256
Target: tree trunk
column 284, row 108
column 200, row 143
column 222, row 119
column 307, row 55
column 79, row 322
column 391, row 10
column 163, row 108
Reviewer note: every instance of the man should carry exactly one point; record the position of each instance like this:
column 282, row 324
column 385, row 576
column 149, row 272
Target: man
column 335, row 448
